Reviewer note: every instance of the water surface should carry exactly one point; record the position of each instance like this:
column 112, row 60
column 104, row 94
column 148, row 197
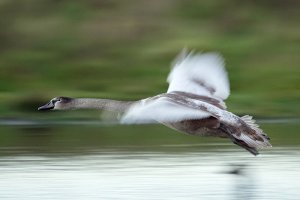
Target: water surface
column 97, row 161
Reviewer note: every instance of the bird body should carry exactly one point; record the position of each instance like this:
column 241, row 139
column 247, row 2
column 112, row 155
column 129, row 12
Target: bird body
column 194, row 104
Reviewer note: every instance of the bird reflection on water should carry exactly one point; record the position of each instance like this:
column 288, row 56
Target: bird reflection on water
column 243, row 181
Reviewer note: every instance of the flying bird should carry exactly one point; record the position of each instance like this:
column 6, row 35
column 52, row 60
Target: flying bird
column 193, row 104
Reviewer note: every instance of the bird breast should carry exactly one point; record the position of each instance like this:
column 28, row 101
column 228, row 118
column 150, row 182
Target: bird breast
column 201, row 127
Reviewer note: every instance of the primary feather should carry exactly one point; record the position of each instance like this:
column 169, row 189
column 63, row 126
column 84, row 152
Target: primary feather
column 201, row 74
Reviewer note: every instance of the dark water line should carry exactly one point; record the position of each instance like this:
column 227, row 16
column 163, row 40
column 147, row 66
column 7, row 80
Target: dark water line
column 25, row 122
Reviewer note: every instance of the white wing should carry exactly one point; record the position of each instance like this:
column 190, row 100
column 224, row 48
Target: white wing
column 201, row 74
column 160, row 110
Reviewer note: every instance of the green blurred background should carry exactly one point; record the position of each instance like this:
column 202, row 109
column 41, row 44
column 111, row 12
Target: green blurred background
column 123, row 50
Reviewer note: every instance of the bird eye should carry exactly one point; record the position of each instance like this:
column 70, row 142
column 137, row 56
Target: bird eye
column 56, row 100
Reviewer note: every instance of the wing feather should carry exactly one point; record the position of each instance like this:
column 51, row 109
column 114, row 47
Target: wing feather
column 201, row 74
column 162, row 109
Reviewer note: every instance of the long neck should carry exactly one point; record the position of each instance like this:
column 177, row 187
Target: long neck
column 101, row 104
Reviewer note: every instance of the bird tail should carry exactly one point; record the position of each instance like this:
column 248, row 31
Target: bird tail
column 248, row 135
column 251, row 137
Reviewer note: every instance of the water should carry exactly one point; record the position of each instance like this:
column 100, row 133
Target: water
column 40, row 161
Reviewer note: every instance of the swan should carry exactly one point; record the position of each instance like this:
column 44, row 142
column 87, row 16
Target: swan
column 193, row 104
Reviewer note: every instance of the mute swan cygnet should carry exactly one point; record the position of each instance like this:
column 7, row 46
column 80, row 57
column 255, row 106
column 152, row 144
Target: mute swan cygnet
column 194, row 104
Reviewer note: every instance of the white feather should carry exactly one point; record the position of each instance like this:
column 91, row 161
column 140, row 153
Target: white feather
column 160, row 110
column 192, row 69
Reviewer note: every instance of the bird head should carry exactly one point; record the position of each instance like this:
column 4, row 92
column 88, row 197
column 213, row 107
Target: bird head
column 58, row 103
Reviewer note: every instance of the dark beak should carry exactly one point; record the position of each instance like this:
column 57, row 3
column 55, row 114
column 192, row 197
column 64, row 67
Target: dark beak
column 48, row 106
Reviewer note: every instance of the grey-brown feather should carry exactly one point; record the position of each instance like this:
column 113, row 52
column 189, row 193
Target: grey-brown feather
column 200, row 127
column 206, row 99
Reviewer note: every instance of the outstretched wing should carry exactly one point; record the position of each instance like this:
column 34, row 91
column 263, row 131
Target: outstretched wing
column 161, row 109
column 197, row 77
column 200, row 74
